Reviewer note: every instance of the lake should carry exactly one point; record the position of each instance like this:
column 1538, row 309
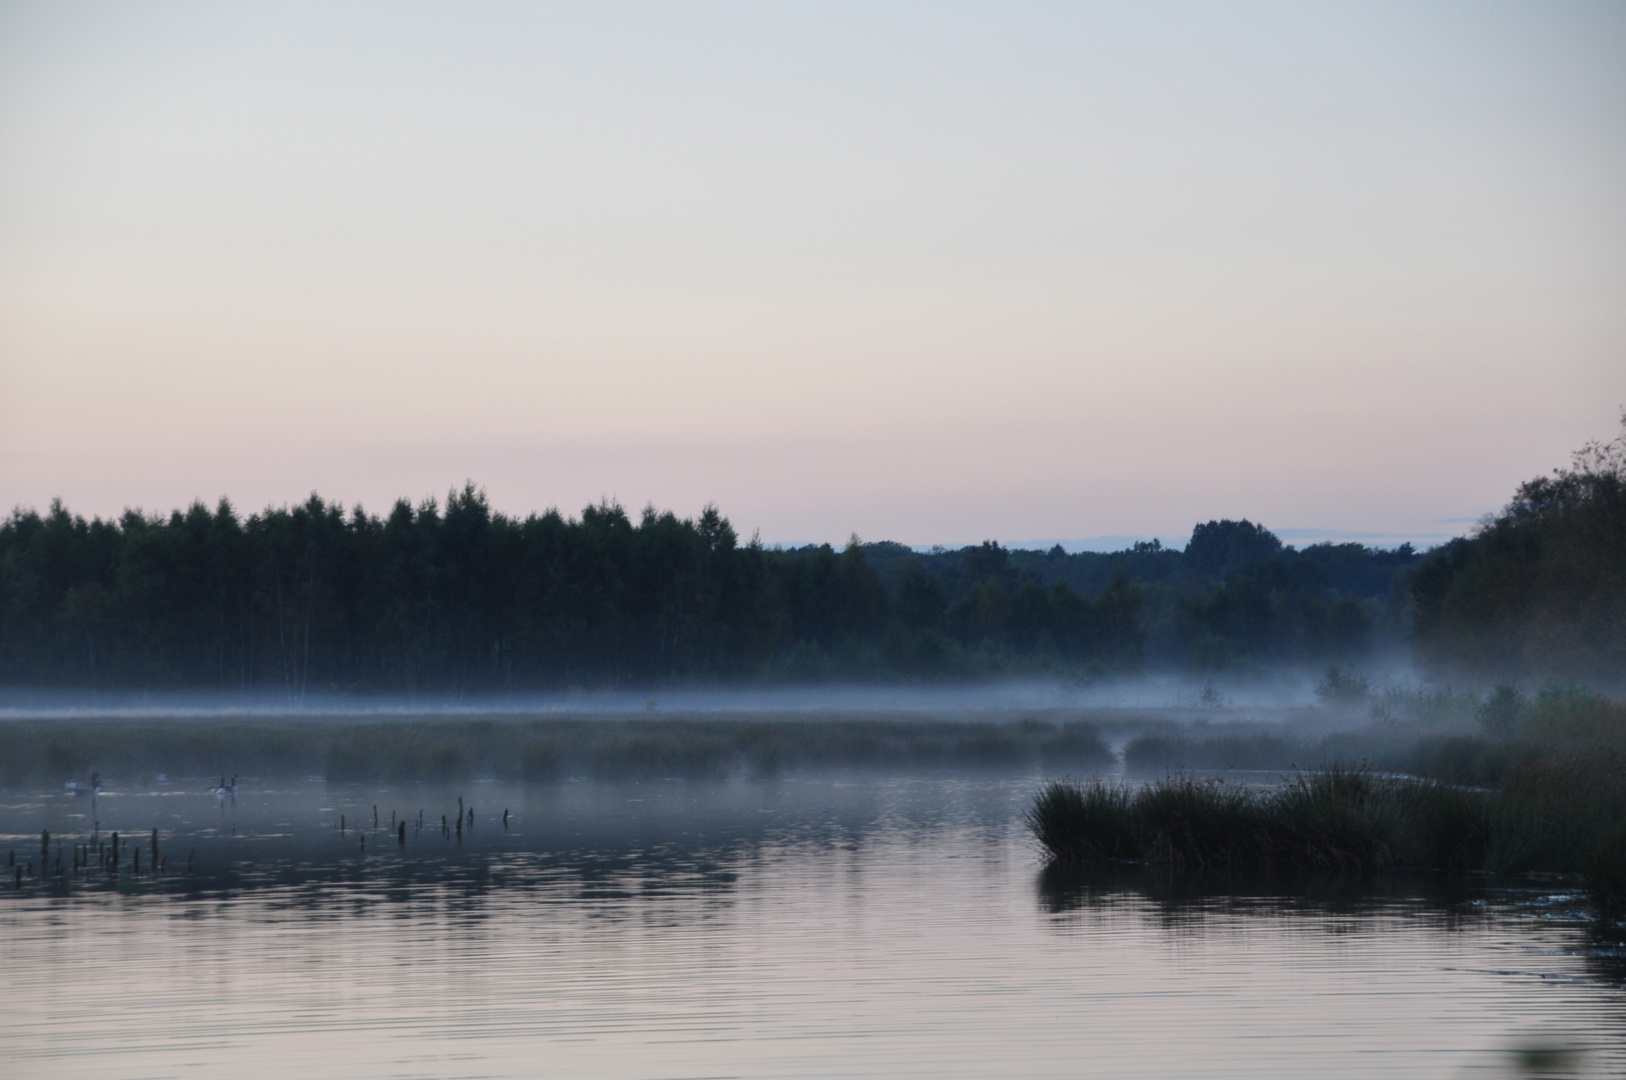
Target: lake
column 806, row 926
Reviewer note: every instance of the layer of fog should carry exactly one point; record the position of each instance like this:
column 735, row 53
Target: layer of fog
column 1286, row 691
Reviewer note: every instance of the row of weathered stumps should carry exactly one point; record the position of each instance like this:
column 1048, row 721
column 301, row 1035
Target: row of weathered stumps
column 448, row 827
column 108, row 858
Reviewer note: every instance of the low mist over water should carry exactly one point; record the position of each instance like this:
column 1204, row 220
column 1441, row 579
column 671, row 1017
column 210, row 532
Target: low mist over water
column 812, row 926
column 512, row 561
column 1172, row 693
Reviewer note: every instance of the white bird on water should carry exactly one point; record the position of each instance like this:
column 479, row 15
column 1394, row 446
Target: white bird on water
column 223, row 792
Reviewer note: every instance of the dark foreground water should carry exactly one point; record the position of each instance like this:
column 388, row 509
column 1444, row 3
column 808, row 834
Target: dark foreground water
column 800, row 927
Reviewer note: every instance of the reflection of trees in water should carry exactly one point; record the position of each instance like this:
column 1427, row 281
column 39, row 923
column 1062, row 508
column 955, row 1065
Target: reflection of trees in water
column 1179, row 896
column 1184, row 902
column 1606, row 953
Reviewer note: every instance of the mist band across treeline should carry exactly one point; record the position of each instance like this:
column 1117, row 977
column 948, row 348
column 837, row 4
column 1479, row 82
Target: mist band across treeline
column 457, row 597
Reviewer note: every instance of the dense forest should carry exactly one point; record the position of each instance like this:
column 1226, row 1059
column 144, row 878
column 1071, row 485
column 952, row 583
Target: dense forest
column 455, row 597
column 1539, row 591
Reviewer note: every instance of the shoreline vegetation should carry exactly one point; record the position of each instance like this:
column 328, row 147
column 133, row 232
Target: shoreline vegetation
column 1561, row 815
column 1536, row 785
column 1539, row 787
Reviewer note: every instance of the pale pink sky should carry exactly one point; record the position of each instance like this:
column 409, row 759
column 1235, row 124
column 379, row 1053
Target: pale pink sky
column 928, row 272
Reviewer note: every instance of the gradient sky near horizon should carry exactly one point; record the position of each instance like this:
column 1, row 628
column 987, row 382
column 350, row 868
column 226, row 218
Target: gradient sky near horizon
column 925, row 272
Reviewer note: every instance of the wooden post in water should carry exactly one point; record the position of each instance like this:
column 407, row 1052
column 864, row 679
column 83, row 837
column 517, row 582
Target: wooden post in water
column 341, row 824
column 45, row 845
column 400, row 835
column 505, row 819
column 375, row 815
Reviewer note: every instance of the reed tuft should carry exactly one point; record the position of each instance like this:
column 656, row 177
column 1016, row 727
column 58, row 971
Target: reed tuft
column 1558, row 816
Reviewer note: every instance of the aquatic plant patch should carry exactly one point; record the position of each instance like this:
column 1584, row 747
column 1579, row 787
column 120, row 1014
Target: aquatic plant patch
column 1559, row 815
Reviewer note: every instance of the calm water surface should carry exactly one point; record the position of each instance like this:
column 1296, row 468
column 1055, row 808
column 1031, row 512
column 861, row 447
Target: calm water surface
column 800, row 927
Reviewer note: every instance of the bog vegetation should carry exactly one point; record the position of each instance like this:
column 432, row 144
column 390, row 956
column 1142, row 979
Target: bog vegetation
column 1440, row 780
column 1559, row 815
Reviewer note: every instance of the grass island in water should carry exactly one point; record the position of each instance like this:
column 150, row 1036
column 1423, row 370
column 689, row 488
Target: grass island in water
column 1564, row 814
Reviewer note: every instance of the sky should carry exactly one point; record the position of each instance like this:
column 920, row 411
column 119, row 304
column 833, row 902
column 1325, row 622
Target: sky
column 931, row 273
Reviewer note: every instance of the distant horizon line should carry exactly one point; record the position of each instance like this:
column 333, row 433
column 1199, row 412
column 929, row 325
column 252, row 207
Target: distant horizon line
column 1112, row 544
column 1103, row 544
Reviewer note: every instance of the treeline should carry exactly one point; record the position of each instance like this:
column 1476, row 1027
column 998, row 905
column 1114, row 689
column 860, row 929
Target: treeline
column 1236, row 599
column 456, row 597
column 1539, row 591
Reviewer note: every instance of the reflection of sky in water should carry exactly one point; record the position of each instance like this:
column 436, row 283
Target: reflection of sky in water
column 808, row 927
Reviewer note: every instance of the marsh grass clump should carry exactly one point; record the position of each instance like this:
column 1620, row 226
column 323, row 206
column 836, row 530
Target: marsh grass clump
column 1082, row 822
column 1338, row 820
column 1564, row 807
column 1444, row 827
column 1559, row 816
column 1574, row 714
column 1474, row 760
column 1606, row 873
column 1184, row 822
